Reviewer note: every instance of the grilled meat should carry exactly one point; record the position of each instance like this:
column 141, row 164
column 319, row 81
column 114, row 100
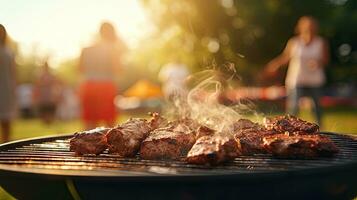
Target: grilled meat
column 291, row 124
column 204, row 131
column 246, row 124
column 171, row 142
column 89, row 142
column 251, row 140
column 250, row 136
column 213, row 150
column 283, row 136
column 299, row 146
column 167, row 143
column 125, row 140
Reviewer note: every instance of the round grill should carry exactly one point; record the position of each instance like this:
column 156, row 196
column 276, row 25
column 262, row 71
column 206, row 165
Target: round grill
column 39, row 168
column 51, row 155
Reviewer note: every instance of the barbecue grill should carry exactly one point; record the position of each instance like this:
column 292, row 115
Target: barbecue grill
column 44, row 168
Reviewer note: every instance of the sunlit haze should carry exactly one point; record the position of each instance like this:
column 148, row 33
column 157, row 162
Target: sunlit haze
column 60, row 28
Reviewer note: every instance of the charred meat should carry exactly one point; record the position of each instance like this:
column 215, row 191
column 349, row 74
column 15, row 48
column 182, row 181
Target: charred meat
column 282, row 136
column 125, row 140
column 251, row 140
column 299, row 146
column 204, row 131
column 246, row 124
column 291, row 124
column 167, row 143
column 171, row 142
column 89, row 142
column 213, row 150
column 250, row 135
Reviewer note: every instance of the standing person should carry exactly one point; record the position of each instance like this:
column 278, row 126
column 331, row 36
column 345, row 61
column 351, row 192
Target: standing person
column 98, row 64
column 173, row 76
column 47, row 93
column 7, row 86
column 25, row 100
column 68, row 107
column 307, row 54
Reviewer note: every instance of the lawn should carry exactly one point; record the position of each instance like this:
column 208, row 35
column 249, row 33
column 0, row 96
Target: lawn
column 342, row 120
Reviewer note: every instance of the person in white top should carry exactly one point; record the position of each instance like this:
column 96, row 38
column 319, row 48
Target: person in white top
column 173, row 76
column 307, row 54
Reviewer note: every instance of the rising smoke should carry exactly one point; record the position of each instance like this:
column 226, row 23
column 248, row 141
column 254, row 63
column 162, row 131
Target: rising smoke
column 203, row 102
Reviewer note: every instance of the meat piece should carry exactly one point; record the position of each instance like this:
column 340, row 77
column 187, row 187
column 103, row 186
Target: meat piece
column 125, row 140
column 250, row 136
column 299, row 146
column 171, row 142
column 246, row 124
column 204, row 131
column 157, row 121
column 213, row 150
column 290, row 124
column 251, row 140
column 89, row 142
column 167, row 143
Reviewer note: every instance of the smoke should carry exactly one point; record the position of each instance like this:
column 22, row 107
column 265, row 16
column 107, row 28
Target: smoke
column 203, row 102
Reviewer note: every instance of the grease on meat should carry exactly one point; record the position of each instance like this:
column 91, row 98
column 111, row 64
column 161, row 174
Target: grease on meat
column 213, row 150
column 125, row 140
column 89, row 142
column 299, row 146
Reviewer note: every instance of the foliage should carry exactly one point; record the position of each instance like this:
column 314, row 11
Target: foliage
column 68, row 71
column 206, row 33
column 247, row 33
column 28, row 66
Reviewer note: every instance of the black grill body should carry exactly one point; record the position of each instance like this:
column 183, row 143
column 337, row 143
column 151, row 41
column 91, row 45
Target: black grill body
column 44, row 168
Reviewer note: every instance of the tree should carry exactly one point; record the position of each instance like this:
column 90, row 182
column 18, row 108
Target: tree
column 246, row 32
column 28, row 66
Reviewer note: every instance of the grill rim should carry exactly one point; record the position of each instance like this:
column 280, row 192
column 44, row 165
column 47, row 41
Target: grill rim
column 13, row 171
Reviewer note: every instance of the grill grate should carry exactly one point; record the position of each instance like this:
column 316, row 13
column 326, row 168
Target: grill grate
column 52, row 155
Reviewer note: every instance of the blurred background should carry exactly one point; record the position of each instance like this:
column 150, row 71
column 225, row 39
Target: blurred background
column 49, row 35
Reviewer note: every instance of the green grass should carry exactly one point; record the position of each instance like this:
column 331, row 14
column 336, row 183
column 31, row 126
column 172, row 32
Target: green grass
column 34, row 127
column 342, row 120
column 339, row 120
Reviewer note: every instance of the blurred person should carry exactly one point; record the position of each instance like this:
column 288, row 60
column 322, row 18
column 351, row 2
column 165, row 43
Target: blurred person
column 173, row 77
column 7, row 86
column 47, row 93
column 307, row 54
column 24, row 100
column 99, row 65
column 68, row 107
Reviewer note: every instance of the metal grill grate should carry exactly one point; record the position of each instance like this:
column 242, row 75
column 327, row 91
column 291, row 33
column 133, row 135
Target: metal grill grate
column 52, row 155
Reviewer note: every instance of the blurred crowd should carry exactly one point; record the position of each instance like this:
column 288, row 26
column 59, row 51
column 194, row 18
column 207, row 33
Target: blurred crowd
column 48, row 98
column 97, row 99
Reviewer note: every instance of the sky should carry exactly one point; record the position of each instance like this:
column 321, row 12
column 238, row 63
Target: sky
column 60, row 28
